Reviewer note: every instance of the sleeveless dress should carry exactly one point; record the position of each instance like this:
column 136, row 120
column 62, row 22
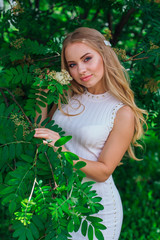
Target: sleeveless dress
column 90, row 128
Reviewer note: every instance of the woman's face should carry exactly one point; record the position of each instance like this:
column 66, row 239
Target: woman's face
column 85, row 66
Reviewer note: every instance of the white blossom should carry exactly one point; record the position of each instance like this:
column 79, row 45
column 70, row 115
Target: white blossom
column 62, row 77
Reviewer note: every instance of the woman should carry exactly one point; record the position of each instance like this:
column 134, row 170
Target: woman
column 101, row 116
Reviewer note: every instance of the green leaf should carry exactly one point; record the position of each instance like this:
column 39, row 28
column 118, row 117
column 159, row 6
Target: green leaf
column 90, row 232
column 99, row 234
column 99, row 206
column 84, row 228
column 1, row 178
column 82, row 209
column 27, row 158
column 62, row 141
column 23, row 236
column 12, row 207
column 19, row 231
column 38, row 109
column 80, row 173
column 12, row 151
column 19, row 134
column 8, row 198
column 2, row 108
column 79, row 165
column 39, row 119
column 29, row 234
column 30, row 136
column 40, row 103
column 67, row 156
column 45, row 122
column 70, row 226
column 99, row 226
column 18, row 149
column 72, row 155
column 7, row 190
column 50, row 124
column 5, row 154
column 96, row 199
column 38, row 222
column 34, row 230
column 94, row 219
column 76, row 221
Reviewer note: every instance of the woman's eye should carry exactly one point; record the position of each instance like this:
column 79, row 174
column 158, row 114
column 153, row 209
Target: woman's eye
column 72, row 65
column 87, row 59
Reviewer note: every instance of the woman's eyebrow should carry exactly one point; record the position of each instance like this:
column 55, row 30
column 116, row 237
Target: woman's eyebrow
column 80, row 57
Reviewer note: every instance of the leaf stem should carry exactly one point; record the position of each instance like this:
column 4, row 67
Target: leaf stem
column 13, row 97
column 32, row 191
column 51, row 171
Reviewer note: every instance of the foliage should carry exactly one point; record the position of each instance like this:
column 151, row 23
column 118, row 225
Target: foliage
column 139, row 190
column 38, row 185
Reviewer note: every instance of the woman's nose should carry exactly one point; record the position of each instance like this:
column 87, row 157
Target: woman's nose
column 81, row 69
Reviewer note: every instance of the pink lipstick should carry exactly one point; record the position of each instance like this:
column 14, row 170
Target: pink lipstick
column 87, row 78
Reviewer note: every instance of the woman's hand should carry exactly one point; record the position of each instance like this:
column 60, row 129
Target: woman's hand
column 50, row 136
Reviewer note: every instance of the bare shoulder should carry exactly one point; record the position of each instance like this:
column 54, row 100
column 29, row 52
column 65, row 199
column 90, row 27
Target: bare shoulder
column 125, row 117
column 125, row 112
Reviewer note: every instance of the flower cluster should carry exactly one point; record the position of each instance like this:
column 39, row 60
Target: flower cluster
column 18, row 43
column 151, row 85
column 16, row 9
column 107, row 33
column 156, row 1
column 19, row 92
column 153, row 46
column 121, row 53
column 62, row 77
column 40, row 73
column 19, row 120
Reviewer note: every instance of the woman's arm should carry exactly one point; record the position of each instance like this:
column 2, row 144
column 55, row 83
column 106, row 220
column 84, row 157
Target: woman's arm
column 113, row 150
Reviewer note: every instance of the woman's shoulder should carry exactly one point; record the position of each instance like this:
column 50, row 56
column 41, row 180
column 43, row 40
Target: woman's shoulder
column 125, row 115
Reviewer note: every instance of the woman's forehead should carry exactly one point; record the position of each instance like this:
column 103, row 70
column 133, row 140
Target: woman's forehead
column 77, row 49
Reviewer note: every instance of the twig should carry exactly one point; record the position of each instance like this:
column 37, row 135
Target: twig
column 4, row 96
column 135, row 56
column 51, row 171
column 95, row 15
column 32, row 191
column 109, row 17
column 135, row 59
column 121, row 24
column 37, row 4
column 42, row 237
column 41, row 59
column 10, row 167
column 13, row 97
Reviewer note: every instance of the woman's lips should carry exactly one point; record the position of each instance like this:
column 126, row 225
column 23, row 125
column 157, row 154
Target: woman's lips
column 86, row 78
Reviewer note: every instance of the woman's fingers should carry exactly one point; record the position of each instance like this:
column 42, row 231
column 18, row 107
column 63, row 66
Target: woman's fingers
column 50, row 136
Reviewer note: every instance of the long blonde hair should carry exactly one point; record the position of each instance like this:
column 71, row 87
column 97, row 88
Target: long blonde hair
column 115, row 78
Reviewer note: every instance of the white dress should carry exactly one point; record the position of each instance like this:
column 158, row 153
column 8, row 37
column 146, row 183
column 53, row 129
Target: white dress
column 90, row 129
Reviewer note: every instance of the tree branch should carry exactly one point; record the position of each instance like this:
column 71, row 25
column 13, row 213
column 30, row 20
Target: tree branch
column 4, row 96
column 37, row 4
column 51, row 171
column 109, row 18
column 13, row 97
column 95, row 15
column 135, row 59
column 85, row 14
column 121, row 24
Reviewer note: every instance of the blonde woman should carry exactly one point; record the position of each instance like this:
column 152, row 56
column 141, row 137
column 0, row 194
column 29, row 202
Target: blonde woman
column 100, row 115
